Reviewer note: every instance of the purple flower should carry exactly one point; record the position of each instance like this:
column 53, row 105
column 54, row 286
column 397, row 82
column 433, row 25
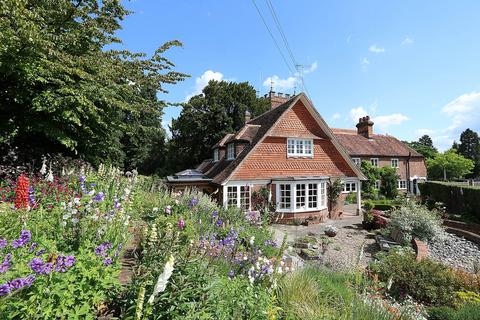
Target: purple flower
column 19, row 283
column 215, row 214
column 219, row 222
column 47, row 267
column 102, row 249
column 40, row 252
column 3, row 243
column 107, row 261
column 4, row 289
column 231, row 274
column 193, row 202
column 36, row 264
column 25, row 237
column 6, row 263
column 64, row 262
column 31, row 196
column 32, row 247
column 81, row 178
column 99, row 196
column 117, row 251
column 93, row 185
column 181, row 224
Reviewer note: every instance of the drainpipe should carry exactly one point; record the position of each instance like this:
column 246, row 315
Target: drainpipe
column 408, row 172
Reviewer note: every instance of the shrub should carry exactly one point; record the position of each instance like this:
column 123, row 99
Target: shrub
column 469, row 311
column 426, row 281
column 389, row 182
column 458, row 199
column 415, row 221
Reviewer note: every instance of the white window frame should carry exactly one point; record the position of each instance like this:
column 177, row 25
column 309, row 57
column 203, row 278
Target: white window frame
column 396, row 161
column 372, row 160
column 400, row 184
column 309, row 204
column 297, row 147
column 357, row 161
column 235, row 196
column 349, row 186
column 216, row 154
column 230, row 151
column 377, row 184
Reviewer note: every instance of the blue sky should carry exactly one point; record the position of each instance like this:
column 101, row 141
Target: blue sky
column 413, row 66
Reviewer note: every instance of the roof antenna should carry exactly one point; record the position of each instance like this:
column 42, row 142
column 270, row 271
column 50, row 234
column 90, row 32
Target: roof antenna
column 271, row 85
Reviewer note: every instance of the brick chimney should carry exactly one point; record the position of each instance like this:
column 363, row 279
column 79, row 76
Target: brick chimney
column 277, row 98
column 365, row 127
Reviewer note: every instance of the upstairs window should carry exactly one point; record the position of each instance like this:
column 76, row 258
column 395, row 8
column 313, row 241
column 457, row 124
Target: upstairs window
column 374, row 162
column 394, row 163
column 215, row 155
column 357, row 161
column 230, row 151
column 299, row 147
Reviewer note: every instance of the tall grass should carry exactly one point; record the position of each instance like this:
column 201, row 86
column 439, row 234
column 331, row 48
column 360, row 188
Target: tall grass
column 315, row 293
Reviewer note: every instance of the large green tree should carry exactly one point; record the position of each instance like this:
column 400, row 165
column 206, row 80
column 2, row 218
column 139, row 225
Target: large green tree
column 469, row 147
column 62, row 90
column 372, row 174
column 448, row 165
column 207, row 117
column 424, row 146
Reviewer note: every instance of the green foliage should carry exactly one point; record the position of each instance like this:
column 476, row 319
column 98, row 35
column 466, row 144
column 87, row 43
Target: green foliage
column 334, row 190
column 372, row 174
column 458, row 199
column 206, row 118
column 64, row 92
column 424, row 146
column 389, row 182
column 448, row 165
column 415, row 221
column 469, row 147
column 470, row 311
column 426, row 281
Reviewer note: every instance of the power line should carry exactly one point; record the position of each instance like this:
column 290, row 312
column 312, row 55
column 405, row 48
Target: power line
column 273, row 38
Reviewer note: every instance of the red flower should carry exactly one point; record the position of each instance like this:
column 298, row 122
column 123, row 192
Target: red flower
column 21, row 192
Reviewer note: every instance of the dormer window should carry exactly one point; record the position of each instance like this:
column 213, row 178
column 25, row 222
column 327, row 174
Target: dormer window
column 230, row 151
column 215, row 155
column 299, row 147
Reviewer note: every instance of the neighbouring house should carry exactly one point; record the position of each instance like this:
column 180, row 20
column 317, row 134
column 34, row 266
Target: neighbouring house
column 383, row 150
column 289, row 150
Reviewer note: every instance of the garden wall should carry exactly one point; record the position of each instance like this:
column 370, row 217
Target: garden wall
column 458, row 199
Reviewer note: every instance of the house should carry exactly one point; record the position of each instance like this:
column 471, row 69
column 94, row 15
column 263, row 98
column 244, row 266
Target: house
column 383, row 150
column 289, row 150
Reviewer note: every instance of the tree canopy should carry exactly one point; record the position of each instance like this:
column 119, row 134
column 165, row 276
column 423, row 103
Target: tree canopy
column 424, row 146
column 63, row 91
column 448, row 165
column 469, row 147
column 207, row 117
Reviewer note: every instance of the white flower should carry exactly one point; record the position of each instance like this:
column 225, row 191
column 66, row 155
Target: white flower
column 43, row 170
column 74, row 221
column 155, row 209
column 252, row 240
column 50, row 175
column 163, row 279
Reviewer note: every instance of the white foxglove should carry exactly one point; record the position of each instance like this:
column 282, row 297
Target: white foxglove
column 163, row 279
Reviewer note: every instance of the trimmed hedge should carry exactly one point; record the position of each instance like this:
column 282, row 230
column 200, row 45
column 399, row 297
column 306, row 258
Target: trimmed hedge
column 458, row 199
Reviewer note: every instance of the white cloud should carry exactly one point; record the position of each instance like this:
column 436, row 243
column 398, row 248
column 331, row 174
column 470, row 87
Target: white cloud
column 280, row 84
column 389, row 120
column 375, row 49
column 425, row 131
column 357, row 113
column 202, row 81
column 464, row 112
column 407, row 41
column 311, row 68
column 336, row 116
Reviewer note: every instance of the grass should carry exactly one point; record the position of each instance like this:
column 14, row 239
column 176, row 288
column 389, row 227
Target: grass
column 315, row 293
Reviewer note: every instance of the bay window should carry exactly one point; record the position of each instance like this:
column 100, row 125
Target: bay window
column 299, row 147
column 301, row 196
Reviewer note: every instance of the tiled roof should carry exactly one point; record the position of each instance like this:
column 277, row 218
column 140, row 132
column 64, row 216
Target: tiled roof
column 253, row 132
column 377, row 145
column 223, row 141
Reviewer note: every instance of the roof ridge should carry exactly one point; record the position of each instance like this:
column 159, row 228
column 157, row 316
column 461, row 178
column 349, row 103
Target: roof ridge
column 273, row 109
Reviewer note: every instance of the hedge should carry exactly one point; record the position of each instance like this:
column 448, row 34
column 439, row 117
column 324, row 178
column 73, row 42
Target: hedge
column 458, row 199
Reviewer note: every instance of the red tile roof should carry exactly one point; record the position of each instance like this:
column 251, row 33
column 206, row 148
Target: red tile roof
column 377, row 145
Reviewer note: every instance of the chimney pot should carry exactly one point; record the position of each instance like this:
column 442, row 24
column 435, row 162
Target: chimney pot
column 365, row 127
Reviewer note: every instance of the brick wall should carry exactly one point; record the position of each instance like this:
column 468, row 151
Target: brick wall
column 417, row 166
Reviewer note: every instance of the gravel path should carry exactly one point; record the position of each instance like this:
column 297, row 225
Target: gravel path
column 456, row 252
